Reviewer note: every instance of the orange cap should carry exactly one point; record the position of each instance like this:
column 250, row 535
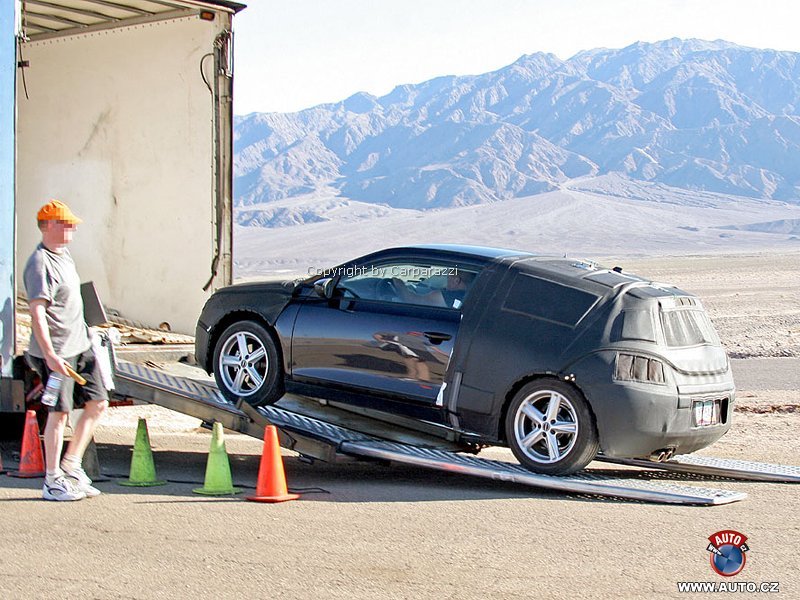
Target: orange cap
column 55, row 210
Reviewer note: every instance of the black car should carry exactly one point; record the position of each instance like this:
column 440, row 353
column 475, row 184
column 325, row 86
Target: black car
column 558, row 359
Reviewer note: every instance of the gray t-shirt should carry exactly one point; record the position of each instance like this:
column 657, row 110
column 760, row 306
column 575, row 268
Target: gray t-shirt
column 53, row 277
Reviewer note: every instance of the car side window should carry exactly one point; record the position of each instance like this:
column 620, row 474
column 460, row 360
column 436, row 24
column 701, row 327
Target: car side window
column 423, row 284
column 546, row 300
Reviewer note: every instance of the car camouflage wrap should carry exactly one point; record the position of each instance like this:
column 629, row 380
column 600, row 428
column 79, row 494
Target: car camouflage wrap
column 602, row 332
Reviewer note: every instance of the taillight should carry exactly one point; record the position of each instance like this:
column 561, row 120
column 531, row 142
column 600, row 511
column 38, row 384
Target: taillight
column 632, row 367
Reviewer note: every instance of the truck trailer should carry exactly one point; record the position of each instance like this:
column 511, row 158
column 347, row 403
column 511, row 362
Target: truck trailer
column 123, row 110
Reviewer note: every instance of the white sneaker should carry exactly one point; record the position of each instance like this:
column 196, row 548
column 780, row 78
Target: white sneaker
column 61, row 490
column 80, row 480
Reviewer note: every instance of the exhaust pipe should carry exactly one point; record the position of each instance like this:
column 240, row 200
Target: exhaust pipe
column 662, row 455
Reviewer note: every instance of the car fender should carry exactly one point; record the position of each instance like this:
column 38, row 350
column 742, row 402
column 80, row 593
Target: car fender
column 263, row 301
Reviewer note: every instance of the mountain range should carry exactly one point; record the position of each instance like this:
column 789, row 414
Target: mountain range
column 699, row 116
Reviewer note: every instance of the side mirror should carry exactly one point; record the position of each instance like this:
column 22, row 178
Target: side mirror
column 324, row 288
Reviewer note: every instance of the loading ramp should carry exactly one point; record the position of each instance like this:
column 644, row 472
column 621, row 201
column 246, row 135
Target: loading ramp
column 327, row 433
column 742, row 470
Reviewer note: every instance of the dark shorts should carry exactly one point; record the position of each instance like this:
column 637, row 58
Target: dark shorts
column 73, row 395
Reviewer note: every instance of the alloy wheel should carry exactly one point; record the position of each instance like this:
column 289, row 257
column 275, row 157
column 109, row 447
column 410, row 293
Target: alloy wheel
column 243, row 364
column 546, row 426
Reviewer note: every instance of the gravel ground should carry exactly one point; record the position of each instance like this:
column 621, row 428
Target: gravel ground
column 366, row 530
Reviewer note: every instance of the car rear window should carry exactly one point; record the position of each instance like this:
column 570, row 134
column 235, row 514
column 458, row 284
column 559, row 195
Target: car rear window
column 542, row 299
column 687, row 328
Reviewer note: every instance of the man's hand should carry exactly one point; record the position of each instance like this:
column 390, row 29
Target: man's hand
column 57, row 364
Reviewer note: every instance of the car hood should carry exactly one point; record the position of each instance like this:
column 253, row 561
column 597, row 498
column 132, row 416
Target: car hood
column 280, row 287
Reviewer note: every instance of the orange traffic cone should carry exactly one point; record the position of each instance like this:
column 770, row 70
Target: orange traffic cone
column 31, row 460
column 271, row 486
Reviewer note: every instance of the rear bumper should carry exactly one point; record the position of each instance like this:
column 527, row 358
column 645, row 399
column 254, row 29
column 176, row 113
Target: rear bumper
column 635, row 420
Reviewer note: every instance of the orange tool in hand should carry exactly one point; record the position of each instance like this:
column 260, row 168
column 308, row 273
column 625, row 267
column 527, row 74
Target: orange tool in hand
column 75, row 375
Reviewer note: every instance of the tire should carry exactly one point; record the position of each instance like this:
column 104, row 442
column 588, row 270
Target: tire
column 564, row 443
column 258, row 376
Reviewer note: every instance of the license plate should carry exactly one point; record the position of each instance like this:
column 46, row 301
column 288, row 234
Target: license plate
column 706, row 412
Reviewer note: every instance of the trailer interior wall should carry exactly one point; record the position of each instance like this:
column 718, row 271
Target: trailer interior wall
column 119, row 124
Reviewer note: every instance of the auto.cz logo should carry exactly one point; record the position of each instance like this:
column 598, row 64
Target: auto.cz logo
column 728, row 550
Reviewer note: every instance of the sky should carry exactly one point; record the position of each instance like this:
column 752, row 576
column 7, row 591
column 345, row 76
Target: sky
column 294, row 54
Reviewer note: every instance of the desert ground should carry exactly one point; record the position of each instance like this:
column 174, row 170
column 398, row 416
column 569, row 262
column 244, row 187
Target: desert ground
column 368, row 530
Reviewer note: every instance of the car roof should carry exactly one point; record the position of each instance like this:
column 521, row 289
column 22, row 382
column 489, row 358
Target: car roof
column 485, row 252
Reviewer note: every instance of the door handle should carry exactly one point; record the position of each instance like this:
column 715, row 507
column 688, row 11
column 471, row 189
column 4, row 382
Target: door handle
column 436, row 337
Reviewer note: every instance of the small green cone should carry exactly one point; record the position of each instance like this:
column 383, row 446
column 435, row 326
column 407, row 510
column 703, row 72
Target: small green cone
column 143, row 470
column 218, row 470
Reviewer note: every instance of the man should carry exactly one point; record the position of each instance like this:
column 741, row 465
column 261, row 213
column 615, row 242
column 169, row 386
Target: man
column 458, row 283
column 451, row 296
column 61, row 338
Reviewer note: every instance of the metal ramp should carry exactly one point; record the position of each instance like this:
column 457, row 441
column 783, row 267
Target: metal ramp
column 298, row 429
column 742, row 470
column 204, row 401
column 325, row 440
column 581, row 483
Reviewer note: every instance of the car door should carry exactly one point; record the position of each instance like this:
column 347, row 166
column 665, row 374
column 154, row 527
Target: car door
column 385, row 330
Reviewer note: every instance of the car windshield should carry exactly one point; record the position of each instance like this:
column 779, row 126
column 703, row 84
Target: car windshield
column 688, row 328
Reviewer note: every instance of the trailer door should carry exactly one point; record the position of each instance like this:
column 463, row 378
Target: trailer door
column 125, row 115
column 8, row 62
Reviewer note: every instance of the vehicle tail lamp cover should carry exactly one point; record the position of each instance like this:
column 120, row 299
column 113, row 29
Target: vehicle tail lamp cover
column 632, row 367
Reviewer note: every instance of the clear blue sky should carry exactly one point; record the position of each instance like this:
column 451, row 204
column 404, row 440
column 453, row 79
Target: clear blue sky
column 292, row 54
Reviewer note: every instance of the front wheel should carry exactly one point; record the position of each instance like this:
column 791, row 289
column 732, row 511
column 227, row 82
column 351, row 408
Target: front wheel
column 550, row 428
column 246, row 364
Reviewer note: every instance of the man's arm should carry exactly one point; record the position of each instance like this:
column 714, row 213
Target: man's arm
column 42, row 334
column 434, row 298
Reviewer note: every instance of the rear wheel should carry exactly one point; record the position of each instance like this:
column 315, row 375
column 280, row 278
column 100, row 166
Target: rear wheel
column 246, row 364
column 550, row 428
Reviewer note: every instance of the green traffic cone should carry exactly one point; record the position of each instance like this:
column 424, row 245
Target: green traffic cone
column 218, row 470
column 143, row 470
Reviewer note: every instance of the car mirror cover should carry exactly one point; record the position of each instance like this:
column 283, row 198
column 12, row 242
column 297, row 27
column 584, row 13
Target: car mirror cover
column 324, row 287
